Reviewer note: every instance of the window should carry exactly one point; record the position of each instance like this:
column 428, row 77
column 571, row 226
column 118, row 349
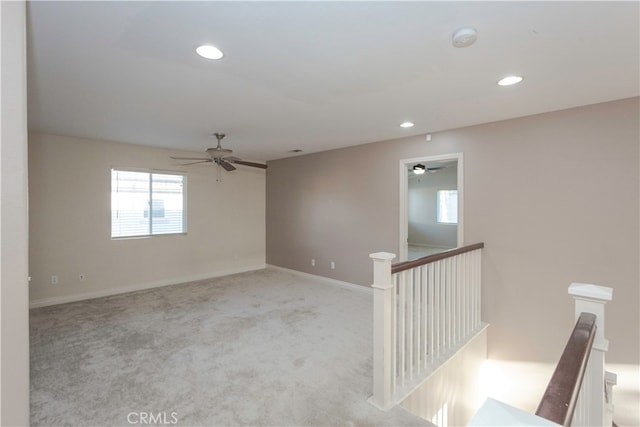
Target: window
column 146, row 204
column 447, row 203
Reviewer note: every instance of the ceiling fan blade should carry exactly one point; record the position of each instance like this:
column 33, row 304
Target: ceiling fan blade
column 252, row 164
column 190, row 158
column 227, row 166
column 435, row 169
column 195, row 163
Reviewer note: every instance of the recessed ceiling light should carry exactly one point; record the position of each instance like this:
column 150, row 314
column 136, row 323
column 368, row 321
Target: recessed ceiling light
column 209, row 52
column 510, row 80
column 406, row 125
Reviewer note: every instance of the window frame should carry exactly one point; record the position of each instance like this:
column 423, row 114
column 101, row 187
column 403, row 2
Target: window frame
column 438, row 192
column 150, row 173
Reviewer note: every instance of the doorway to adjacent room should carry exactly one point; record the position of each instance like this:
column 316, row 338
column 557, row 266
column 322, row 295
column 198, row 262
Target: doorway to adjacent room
column 431, row 205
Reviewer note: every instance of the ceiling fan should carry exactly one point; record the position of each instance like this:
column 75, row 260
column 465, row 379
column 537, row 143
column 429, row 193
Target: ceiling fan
column 220, row 156
column 419, row 169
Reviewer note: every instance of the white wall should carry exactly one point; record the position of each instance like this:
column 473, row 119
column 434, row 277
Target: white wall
column 554, row 197
column 14, row 315
column 424, row 228
column 70, row 194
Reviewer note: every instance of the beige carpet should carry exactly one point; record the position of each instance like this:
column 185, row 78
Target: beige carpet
column 264, row 348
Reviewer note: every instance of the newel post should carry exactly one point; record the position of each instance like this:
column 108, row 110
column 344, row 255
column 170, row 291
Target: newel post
column 592, row 407
column 383, row 293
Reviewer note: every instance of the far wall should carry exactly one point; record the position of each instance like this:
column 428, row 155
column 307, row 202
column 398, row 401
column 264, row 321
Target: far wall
column 424, row 229
column 70, row 221
column 554, row 197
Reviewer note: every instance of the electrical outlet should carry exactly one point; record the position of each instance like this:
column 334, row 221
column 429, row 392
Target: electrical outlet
column 333, row 265
column 82, row 277
column 313, row 262
column 54, row 280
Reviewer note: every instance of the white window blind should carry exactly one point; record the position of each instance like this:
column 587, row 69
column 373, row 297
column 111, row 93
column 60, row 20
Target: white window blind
column 447, row 203
column 146, row 203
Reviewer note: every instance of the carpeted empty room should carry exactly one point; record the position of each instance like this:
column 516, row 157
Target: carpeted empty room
column 260, row 348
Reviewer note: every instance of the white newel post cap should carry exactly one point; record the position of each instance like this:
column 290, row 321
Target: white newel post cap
column 382, row 256
column 591, row 292
column 382, row 270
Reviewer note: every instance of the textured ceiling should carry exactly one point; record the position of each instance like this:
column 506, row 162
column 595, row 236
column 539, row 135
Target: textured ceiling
column 316, row 75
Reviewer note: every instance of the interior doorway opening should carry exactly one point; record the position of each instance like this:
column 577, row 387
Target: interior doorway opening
column 431, row 205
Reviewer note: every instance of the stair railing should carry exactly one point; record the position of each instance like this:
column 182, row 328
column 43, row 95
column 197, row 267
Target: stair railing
column 424, row 310
column 579, row 392
column 560, row 398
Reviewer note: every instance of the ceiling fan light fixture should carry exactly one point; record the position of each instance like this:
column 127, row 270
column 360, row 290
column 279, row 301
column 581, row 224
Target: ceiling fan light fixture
column 209, row 52
column 510, row 80
column 419, row 169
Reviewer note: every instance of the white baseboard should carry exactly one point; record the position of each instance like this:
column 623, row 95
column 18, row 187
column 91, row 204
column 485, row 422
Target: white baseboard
column 326, row 280
column 139, row 287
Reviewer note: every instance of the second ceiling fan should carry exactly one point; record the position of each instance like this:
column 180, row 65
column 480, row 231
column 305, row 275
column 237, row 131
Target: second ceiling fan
column 220, row 156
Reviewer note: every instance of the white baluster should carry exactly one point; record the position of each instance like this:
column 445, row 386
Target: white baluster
column 425, row 314
column 394, row 332
column 417, row 332
column 432, row 312
column 402, row 317
column 470, row 294
column 454, row 299
column 436, row 303
column 478, row 270
column 447, row 302
column 472, row 284
column 409, row 332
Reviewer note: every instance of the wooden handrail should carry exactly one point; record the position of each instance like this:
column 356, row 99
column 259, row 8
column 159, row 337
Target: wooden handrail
column 406, row 265
column 559, row 400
